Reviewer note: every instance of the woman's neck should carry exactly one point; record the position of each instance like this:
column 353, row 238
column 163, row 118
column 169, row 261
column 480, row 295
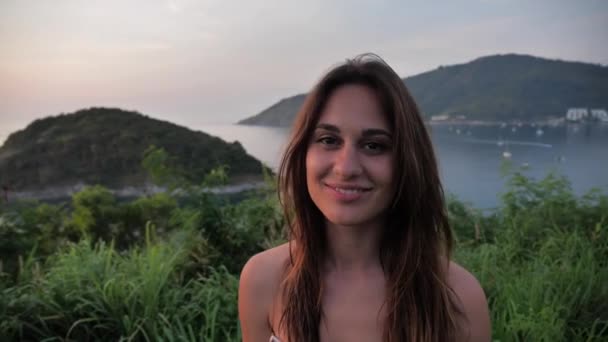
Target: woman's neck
column 353, row 248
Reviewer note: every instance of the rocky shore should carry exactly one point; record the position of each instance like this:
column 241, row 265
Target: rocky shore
column 54, row 193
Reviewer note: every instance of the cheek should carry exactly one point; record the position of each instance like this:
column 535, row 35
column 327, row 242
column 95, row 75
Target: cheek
column 308, row 165
column 311, row 169
column 315, row 163
column 388, row 175
column 382, row 171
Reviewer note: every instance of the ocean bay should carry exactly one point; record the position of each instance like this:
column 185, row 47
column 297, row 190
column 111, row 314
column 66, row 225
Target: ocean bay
column 471, row 156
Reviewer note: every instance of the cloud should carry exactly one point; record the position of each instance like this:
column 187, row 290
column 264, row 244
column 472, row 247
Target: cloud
column 153, row 46
column 170, row 52
column 173, row 6
column 180, row 6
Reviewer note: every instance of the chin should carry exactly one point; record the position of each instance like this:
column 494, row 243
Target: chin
column 349, row 218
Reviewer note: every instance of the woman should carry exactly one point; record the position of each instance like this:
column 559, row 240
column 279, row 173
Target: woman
column 368, row 257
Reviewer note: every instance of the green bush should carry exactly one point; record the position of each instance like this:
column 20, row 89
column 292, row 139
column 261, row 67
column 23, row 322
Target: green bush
column 545, row 271
column 90, row 293
column 165, row 270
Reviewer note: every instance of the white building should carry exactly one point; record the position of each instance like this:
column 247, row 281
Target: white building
column 599, row 114
column 442, row 117
column 577, row 114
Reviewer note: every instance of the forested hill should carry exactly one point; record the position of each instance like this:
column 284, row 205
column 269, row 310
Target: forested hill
column 494, row 88
column 106, row 146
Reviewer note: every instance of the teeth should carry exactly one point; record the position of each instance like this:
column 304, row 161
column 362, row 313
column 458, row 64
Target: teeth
column 348, row 191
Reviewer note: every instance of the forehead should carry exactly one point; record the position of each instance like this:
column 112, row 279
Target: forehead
column 354, row 107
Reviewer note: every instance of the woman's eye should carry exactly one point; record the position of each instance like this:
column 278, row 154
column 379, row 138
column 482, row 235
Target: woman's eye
column 374, row 147
column 330, row 141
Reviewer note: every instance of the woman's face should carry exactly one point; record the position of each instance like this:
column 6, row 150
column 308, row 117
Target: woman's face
column 349, row 162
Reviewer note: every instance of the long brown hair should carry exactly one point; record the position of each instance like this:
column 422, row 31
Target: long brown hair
column 417, row 240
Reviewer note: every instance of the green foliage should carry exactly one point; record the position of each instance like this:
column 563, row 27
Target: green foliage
column 94, row 210
column 466, row 222
column 31, row 228
column 164, row 269
column 161, row 167
column 106, row 146
column 98, row 216
column 216, row 177
column 233, row 232
column 155, row 210
column 94, row 293
column 546, row 268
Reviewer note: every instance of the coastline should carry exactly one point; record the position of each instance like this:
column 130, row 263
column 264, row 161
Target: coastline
column 552, row 121
column 545, row 122
column 55, row 193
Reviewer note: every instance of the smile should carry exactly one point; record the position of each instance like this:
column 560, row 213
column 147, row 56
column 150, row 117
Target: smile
column 347, row 192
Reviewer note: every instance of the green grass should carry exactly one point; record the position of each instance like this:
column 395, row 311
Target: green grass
column 542, row 259
column 545, row 270
column 90, row 293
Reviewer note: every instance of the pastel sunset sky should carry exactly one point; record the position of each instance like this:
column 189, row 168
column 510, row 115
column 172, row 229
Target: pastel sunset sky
column 213, row 61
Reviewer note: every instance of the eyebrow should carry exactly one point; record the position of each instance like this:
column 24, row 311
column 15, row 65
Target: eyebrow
column 366, row 132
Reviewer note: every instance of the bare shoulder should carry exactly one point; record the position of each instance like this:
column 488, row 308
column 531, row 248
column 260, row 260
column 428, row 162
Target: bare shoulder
column 264, row 270
column 259, row 282
column 472, row 301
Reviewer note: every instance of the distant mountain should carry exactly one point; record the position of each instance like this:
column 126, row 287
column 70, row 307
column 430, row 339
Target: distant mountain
column 494, row 88
column 280, row 114
column 105, row 146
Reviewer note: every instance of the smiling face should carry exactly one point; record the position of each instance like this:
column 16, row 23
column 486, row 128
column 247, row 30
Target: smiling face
column 349, row 161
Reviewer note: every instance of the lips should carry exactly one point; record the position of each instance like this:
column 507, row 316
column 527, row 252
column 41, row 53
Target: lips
column 347, row 192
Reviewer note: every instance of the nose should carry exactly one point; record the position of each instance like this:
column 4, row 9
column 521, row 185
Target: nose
column 347, row 163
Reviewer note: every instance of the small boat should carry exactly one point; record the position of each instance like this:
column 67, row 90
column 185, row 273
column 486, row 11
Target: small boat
column 506, row 154
column 539, row 132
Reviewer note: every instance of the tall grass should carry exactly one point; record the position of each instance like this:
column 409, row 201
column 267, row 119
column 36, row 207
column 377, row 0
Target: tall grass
column 542, row 259
column 545, row 270
column 90, row 292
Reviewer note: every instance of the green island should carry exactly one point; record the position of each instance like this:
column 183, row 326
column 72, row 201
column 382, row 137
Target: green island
column 166, row 268
column 497, row 88
column 106, row 146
